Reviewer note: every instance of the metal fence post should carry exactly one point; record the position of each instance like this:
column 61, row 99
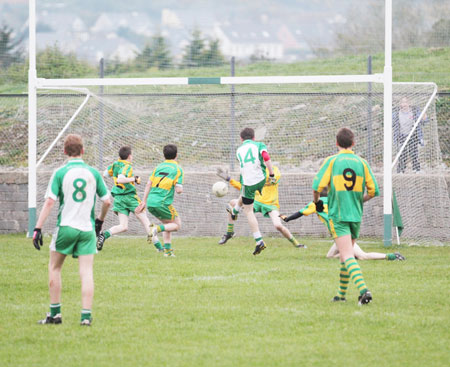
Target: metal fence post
column 233, row 119
column 101, row 122
column 369, row 112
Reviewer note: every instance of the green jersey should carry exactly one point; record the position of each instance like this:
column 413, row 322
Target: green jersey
column 164, row 178
column 76, row 185
column 125, row 169
column 347, row 176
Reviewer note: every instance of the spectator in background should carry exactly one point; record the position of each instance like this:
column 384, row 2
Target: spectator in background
column 403, row 120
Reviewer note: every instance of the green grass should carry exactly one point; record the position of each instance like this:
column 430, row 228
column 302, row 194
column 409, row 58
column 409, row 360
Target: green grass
column 220, row 306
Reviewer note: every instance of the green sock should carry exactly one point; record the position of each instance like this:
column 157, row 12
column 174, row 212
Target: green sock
column 390, row 256
column 55, row 308
column 230, row 228
column 161, row 228
column 355, row 273
column 168, row 246
column 107, row 234
column 293, row 240
column 343, row 281
column 85, row 314
column 158, row 245
column 258, row 239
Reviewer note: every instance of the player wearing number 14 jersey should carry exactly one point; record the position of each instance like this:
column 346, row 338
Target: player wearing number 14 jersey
column 347, row 176
column 165, row 180
column 253, row 159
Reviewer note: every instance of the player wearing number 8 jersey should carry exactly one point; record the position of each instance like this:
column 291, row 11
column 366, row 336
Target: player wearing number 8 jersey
column 165, row 180
column 347, row 176
column 75, row 185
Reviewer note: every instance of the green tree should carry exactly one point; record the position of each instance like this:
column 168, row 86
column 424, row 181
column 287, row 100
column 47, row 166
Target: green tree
column 439, row 36
column 200, row 52
column 53, row 63
column 9, row 48
column 193, row 55
column 213, row 56
column 155, row 54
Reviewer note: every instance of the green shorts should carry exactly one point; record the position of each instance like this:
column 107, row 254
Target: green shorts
column 70, row 241
column 339, row 229
column 263, row 208
column 250, row 191
column 126, row 203
column 163, row 212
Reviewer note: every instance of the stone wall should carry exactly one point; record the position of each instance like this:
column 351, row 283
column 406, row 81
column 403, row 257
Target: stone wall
column 203, row 214
column 13, row 202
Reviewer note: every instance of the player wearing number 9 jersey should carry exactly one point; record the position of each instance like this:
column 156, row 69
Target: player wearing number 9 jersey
column 165, row 180
column 347, row 176
column 75, row 185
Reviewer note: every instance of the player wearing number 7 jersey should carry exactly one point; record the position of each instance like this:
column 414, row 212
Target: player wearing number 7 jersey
column 75, row 185
column 347, row 176
column 253, row 159
column 165, row 180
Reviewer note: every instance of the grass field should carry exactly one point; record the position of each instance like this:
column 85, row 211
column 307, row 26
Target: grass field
column 220, row 306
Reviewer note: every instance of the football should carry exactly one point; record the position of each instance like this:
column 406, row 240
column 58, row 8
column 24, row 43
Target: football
column 220, row 189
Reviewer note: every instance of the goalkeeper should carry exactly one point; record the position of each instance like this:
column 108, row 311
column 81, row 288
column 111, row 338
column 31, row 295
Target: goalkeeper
column 125, row 196
column 334, row 252
column 266, row 203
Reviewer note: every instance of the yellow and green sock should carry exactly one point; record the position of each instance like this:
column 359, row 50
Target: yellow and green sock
column 230, row 228
column 343, row 281
column 355, row 274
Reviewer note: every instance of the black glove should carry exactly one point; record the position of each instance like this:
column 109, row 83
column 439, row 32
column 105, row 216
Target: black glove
column 291, row 217
column 319, row 206
column 98, row 226
column 137, row 179
column 37, row 239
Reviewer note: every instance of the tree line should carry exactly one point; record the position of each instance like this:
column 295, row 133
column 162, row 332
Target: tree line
column 52, row 62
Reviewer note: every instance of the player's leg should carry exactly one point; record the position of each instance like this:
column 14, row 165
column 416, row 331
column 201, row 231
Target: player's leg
column 86, row 266
column 121, row 227
column 345, row 235
column 169, row 227
column 361, row 255
column 54, row 285
column 333, row 252
column 230, row 226
column 85, row 251
column 276, row 220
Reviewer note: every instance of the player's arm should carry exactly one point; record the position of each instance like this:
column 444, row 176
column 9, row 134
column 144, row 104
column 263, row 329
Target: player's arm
column 179, row 180
column 45, row 212
column 268, row 163
column 291, row 217
column 123, row 180
column 147, row 190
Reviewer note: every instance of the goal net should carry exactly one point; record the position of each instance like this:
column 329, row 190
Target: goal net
column 298, row 123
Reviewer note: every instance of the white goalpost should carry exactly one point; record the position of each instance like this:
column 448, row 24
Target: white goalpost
column 297, row 117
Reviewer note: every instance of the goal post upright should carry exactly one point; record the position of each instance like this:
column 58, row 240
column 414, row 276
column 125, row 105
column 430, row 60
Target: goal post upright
column 32, row 118
column 387, row 156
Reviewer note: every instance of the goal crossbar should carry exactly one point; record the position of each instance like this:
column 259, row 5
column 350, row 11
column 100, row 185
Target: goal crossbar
column 369, row 78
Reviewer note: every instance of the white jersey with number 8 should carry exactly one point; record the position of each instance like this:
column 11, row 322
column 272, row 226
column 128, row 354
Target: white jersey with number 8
column 76, row 185
column 253, row 169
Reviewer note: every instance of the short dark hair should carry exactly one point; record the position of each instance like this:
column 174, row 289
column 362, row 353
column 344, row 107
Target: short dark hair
column 247, row 133
column 170, row 151
column 73, row 145
column 345, row 137
column 124, row 152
